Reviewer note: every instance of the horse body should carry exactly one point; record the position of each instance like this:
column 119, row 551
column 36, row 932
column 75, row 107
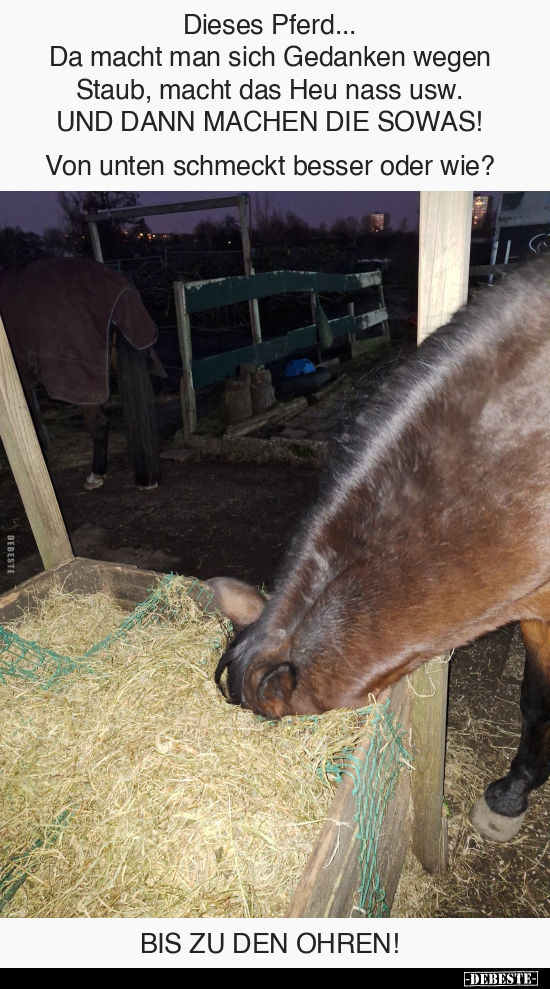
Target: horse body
column 432, row 528
column 60, row 315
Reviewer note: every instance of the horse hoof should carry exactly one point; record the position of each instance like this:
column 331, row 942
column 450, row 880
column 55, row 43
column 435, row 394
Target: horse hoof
column 147, row 487
column 94, row 481
column 494, row 827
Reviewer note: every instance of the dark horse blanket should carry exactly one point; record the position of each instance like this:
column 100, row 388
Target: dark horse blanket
column 58, row 313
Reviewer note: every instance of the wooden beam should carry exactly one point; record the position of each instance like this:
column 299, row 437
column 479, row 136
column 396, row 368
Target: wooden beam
column 191, row 206
column 277, row 413
column 187, row 391
column 96, row 243
column 429, row 725
column 27, row 463
column 445, row 233
column 210, row 369
column 370, row 346
column 214, row 292
column 329, row 884
column 386, row 327
column 249, row 270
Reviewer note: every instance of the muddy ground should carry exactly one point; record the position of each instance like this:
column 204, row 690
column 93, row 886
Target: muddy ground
column 210, row 518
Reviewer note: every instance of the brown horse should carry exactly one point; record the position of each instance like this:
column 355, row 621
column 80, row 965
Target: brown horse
column 60, row 316
column 433, row 527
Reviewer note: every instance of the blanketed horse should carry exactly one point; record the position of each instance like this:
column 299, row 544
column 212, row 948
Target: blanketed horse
column 60, row 316
column 432, row 528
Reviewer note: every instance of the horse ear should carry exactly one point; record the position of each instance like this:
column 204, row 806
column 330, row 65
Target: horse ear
column 275, row 690
column 240, row 602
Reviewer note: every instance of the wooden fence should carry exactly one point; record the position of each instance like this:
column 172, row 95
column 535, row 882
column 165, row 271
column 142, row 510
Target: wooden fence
column 193, row 297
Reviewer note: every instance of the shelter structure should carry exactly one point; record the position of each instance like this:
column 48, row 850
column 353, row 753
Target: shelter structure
column 335, row 870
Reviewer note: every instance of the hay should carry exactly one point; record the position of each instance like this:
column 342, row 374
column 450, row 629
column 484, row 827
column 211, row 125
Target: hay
column 175, row 803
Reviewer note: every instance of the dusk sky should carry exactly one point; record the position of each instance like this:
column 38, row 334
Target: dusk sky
column 37, row 210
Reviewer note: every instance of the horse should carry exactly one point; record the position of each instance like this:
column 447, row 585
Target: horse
column 432, row 528
column 61, row 316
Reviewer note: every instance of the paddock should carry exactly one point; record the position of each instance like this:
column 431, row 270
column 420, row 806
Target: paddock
column 414, row 816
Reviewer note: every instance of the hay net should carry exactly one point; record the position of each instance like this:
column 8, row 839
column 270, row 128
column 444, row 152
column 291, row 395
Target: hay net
column 375, row 775
column 34, row 666
column 25, row 660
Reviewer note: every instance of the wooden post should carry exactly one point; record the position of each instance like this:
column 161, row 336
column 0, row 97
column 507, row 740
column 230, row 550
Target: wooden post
column 351, row 336
column 187, row 391
column 385, row 324
column 429, row 722
column 249, row 270
column 27, row 463
column 313, row 301
column 445, row 231
column 96, row 243
column 313, row 304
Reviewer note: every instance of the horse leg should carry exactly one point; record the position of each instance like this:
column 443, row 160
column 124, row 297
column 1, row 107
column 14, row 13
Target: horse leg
column 38, row 421
column 98, row 427
column 138, row 405
column 499, row 814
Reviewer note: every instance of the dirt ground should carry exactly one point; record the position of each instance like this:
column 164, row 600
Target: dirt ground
column 210, row 518
column 204, row 519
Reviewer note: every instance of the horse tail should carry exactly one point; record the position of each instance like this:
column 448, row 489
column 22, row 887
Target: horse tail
column 138, row 406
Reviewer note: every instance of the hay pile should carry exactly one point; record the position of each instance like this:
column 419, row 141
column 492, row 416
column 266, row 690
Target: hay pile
column 172, row 802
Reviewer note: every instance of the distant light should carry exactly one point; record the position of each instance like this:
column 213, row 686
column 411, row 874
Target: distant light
column 479, row 210
column 376, row 224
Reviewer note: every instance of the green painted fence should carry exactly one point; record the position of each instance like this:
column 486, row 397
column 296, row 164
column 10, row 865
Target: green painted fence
column 212, row 369
column 241, row 288
column 204, row 295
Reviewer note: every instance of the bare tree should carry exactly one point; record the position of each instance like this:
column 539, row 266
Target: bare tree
column 18, row 247
column 75, row 206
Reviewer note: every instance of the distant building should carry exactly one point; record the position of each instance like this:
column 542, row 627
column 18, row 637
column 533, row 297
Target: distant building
column 378, row 222
column 479, row 211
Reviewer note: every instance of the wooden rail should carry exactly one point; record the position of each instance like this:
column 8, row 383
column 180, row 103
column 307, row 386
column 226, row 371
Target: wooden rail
column 240, row 288
column 192, row 297
column 220, row 366
column 127, row 212
column 329, row 884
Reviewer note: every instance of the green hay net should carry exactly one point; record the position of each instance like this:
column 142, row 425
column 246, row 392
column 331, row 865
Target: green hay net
column 374, row 780
column 374, row 777
column 24, row 660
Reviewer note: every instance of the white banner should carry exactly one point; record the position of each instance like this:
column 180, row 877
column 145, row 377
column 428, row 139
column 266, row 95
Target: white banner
column 468, row 944
column 392, row 96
